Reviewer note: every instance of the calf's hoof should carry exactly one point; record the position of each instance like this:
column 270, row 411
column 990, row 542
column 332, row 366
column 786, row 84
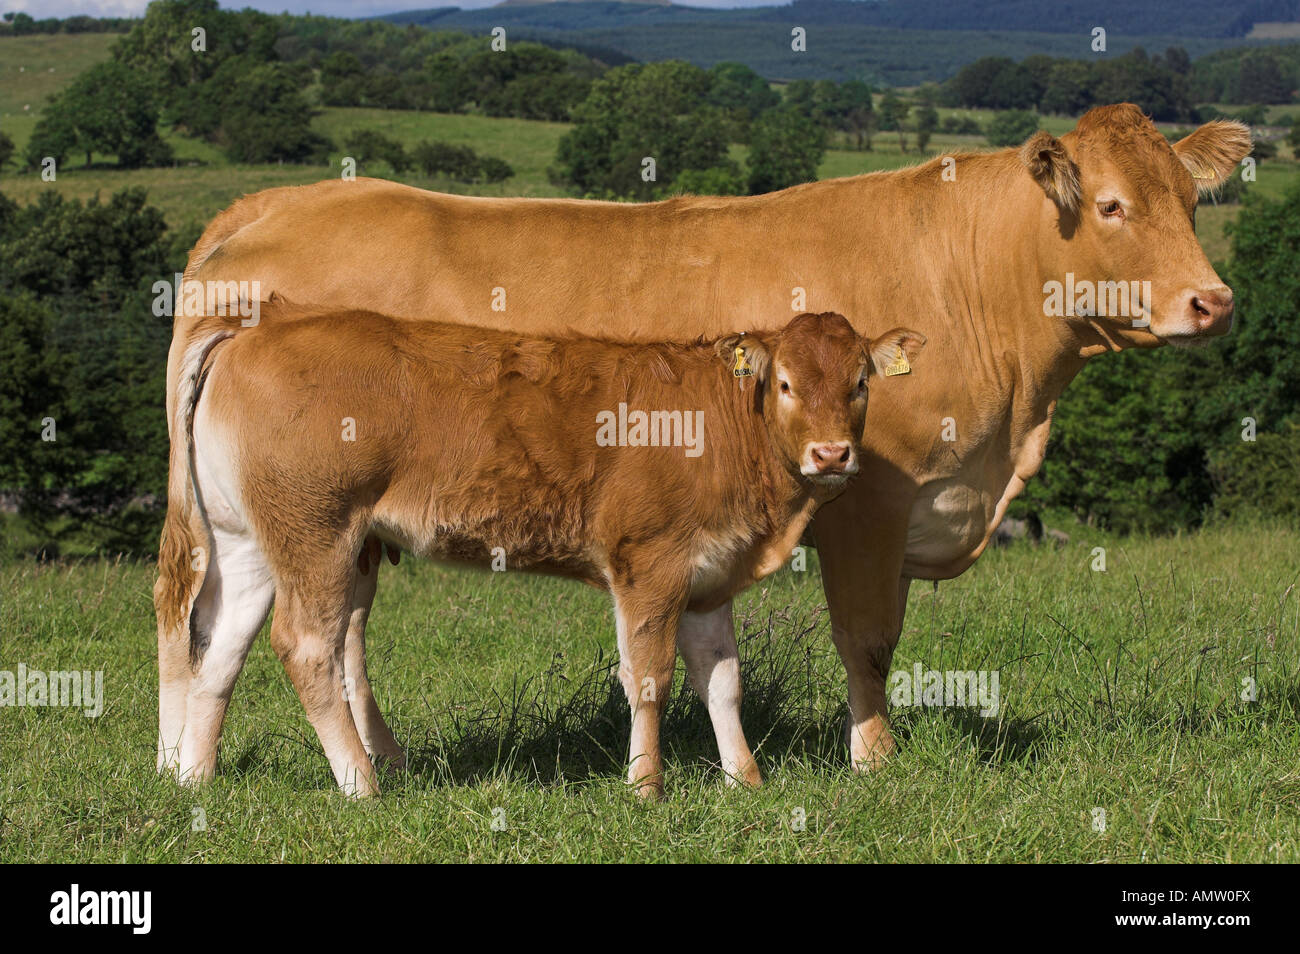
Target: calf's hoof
column 746, row 775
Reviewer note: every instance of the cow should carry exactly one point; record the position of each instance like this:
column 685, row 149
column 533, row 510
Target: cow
column 972, row 250
column 652, row 470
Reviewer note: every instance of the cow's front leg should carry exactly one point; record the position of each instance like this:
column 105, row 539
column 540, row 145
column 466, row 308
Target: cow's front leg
column 861, row 551
column 708, row 645
column 378, row 739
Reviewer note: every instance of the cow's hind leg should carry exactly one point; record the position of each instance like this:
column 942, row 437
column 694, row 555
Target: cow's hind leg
column 375, row 734
column 309, row 633
column 230, row 609
column 707, row 642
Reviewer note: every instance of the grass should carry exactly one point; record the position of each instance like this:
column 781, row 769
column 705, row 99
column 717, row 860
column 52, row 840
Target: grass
column 1120, row 690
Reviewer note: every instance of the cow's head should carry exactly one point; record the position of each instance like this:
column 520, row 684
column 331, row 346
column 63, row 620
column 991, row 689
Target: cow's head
column 811, row 383
column 1124, row 205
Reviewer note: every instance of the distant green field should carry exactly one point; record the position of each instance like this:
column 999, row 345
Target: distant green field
column 204, row 182
column 33, row 67
column 1120, row 691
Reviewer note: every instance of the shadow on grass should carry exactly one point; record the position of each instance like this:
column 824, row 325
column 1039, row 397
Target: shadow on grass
column 545, row 732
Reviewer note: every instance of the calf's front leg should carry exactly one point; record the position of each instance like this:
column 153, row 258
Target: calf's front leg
column 708, row 645
column 647, row 650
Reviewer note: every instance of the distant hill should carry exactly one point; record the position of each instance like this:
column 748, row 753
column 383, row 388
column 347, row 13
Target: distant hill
column 1224, row 19
column 898, row 42
column 519, row 3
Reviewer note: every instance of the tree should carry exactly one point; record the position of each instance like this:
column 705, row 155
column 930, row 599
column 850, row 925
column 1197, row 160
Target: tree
column 6, row 149
column 859, row 112
column 1264, row 346
column 459, row 162
column 1069, row 88
column 369, row 145
column 927, row 120
column 79, row 344
column 107, row 109
column 786, row 147
column 640, row 112
column 742, row 94
column 1011, row 127
column 994, row 82
column 161, row 48
column 1261, row 80
column 261, row 115
column 893, row 115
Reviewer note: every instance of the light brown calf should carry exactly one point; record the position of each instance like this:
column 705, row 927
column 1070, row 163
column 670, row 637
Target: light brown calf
column 655, row 471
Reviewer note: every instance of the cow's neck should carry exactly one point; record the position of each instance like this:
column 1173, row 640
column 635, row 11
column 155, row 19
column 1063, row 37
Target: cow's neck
column 1008, row 246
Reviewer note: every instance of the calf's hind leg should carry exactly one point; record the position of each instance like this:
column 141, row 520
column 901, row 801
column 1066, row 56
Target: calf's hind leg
column 375, row 734
column 308, row 633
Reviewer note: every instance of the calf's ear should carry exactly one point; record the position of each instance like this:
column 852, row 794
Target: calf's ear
column 1211, row 152
column 746, row 356
column 1053, row 169
column 886, row 351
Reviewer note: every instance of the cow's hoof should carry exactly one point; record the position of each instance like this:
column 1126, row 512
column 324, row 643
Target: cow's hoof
column 872, row 746
column 649, row 790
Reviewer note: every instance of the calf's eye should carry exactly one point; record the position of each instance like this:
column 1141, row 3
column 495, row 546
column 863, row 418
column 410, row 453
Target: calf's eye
column 1110, row 208
column 785, row 387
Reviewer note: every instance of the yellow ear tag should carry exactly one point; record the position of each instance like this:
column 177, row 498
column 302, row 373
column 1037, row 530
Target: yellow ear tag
column 899, row 365
column 741, row 368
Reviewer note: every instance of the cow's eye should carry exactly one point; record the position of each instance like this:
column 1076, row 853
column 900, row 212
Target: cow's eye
column 1111, row 208
column 862, row 384
column 785, row 387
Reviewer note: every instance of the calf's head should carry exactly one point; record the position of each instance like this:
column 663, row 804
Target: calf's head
column 811, row 383
column 1125, row 205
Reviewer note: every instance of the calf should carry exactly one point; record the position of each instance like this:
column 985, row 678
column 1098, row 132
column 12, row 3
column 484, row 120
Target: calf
column 672, row 475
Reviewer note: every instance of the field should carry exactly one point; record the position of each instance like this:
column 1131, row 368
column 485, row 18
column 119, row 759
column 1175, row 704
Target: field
column 203, row 181
column 1119, row 690
column 1147, row 713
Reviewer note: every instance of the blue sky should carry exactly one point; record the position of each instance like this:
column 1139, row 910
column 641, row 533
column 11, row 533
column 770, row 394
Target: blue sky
column 345, row 8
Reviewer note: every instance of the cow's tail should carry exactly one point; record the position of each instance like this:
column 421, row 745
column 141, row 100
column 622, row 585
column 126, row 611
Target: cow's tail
column 186, row 539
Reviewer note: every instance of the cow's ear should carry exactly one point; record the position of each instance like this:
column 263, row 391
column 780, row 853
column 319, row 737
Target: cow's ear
column 894, row 351
column 1053, row 169
column 1211, row 152
column 746, row 356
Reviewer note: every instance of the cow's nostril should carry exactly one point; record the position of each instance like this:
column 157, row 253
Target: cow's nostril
column 833, row 457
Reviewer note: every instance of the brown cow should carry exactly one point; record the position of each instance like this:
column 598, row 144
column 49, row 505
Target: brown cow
column 647, row 469
column 970, row 249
